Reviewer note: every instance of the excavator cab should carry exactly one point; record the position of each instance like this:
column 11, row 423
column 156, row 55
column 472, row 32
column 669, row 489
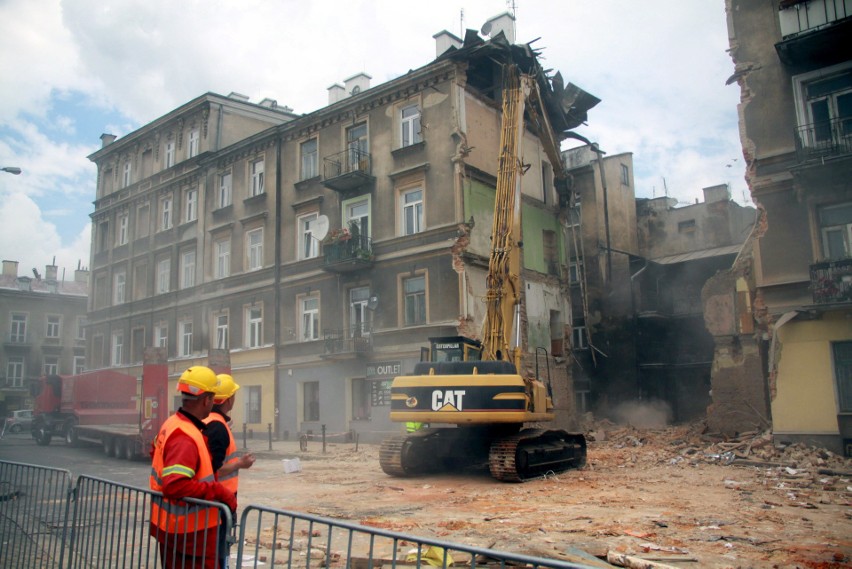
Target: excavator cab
column 452, row 349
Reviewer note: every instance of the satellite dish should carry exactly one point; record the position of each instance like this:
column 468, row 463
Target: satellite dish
column 321, row 227
column 486, row 29
column 373, row 302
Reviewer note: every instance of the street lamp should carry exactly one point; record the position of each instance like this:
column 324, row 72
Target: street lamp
column 11, row 169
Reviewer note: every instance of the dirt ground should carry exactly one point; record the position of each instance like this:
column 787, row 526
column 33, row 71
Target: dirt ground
column 676, row 496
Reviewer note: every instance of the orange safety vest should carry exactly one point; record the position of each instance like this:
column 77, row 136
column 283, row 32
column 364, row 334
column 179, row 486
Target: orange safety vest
column 176, row 516
column 229, row 481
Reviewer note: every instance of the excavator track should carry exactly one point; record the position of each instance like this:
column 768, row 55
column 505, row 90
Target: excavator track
column 407, row 455
column 535, row 452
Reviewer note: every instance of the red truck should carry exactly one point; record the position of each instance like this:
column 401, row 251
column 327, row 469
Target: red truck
column 105, row 407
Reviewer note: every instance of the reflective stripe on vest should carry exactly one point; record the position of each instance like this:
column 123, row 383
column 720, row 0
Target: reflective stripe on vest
column 229, row 481
column 176, row 516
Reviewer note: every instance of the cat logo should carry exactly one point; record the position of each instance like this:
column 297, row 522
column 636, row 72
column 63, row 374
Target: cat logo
column 411, row 402
column 449, row 400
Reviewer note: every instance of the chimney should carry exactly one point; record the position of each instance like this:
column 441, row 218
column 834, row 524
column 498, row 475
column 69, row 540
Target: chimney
column 269, row 103
column 358, row 83
column 444, row 40
column 720, row 193
column 50, row 272
column 238, row 97
column 335, row 93
column 81, row 276
column 10, row 268
column 505, row 23
column 107, row 139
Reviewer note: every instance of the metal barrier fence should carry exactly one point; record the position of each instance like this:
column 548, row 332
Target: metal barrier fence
column 33, row 513
column 296, row 540
column 47, row 523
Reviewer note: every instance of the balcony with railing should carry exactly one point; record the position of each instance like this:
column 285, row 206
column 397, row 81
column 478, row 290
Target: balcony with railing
column 347, row 170
column 346, row 252
column 354, row 341
column 813, row 30
column 17, row 340
column 831, row 281
column 824, row 139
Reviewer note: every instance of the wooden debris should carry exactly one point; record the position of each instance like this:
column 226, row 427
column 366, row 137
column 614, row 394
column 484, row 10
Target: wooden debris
column 631, row 562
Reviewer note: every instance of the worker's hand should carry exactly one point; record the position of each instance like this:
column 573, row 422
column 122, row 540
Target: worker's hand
column 229, row 499
column 246, row 460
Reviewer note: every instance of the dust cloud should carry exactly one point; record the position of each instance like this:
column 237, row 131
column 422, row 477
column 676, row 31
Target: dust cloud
column 643, row 414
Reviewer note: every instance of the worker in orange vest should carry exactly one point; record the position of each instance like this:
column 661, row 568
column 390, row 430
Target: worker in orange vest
column 227, row 463
column 188, row 534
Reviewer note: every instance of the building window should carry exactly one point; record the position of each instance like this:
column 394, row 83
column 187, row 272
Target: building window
column 51, row 365
column 578, row 336
column 412, row 211
column 165, row 213
column 256, row 186
column 185, row 338
column 137, row 345
column 194, row 140
column 143, row 220
column 18, row 329
column 15, row 371
column 125, row 176
column 687, row 226
column 309, row 308
column 120, row 284
column 103, row 236
column 169, row 155
column 360, row 400
column 359, row 314
column 223, row 258
column 254, row 327
column 308, row 243
column 842, row 353
column 222, row 331
column 824, row 106
column 575, row 272
column 835, row 223
column 225, row 190
column 254, row 249
column 546, row 181
column 117, row 348
column 190, row 205
column 81, row 328
column 414, row 300
column 311, row 409
column 253, row 404
column 161, row 335
column 310, row 159
column 625, row 175
column 53, row 326
column 164, row 270
column 358, row 216
column 187, row 269
column 79, row 364
column 410, row 121
column 123, row 223
column 358, row 146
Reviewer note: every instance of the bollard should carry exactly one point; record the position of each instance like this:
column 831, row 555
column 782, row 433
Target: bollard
column 245, row 435
column 356, row 441
column 303, row 443
column 323, row 439
column 269, row 429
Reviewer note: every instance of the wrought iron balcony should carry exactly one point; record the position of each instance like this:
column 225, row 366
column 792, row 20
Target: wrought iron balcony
column 347, row 253
column 831, row 281
column 347, row 170
column 356, row 339
column 824, row 139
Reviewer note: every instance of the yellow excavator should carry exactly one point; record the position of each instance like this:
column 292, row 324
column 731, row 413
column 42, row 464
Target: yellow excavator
column 470, row 393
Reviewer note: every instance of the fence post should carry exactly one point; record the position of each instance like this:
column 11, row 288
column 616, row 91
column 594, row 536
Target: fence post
column 323, row 439
column 269, row 429
column 245, row 436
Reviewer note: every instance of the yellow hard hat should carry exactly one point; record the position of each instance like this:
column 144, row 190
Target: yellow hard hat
column 197, row 380
column 227, row 388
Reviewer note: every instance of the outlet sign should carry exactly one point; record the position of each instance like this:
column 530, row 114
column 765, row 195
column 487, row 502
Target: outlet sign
column 384, row 370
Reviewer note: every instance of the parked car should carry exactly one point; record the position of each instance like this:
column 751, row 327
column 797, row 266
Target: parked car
column 19, row 421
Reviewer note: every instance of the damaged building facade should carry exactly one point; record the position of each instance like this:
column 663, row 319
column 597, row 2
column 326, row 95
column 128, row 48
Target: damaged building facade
column 794, row 70
column 323, row 250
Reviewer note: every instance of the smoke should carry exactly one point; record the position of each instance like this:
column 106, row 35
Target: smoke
column 643, row 415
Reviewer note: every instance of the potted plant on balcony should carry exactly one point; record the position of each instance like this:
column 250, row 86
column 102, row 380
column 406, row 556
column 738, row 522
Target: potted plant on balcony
column 335, row 236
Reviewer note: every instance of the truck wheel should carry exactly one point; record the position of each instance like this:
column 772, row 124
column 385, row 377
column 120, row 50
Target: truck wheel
column 14, row 429
column 118, row 448
column 71, row 438
column 129, row 450
column 42, row 437
column 108, row 446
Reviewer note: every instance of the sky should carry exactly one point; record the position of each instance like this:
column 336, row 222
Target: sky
column 75, row 69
